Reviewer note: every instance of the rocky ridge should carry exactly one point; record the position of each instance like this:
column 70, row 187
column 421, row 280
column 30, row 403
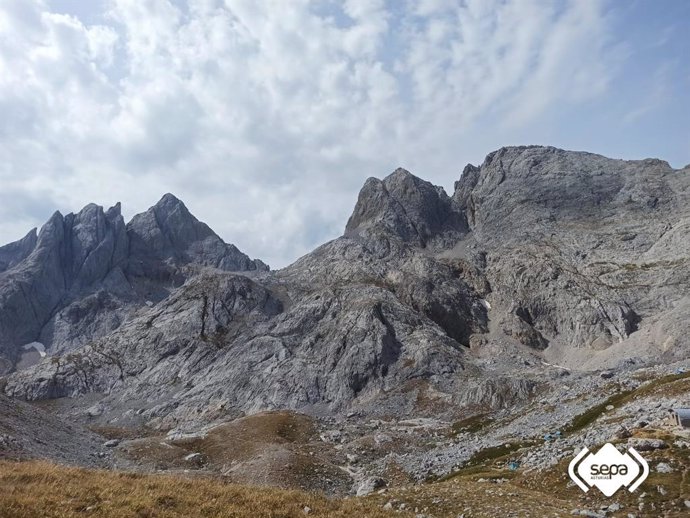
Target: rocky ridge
column 540, row 254
column 85, row 273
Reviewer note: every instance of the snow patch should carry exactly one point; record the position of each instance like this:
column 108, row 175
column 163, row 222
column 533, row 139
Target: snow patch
column 485, row 303
column 38, row 346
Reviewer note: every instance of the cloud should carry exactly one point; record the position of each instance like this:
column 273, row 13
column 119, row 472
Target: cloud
column 266, row 117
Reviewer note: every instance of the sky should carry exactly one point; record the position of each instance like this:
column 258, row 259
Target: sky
column 266, row 116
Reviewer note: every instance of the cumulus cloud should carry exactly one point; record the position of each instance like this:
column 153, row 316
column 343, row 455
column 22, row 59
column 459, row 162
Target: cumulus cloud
column 266, row 117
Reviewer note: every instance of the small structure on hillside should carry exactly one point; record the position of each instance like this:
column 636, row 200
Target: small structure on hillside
column 681, row 417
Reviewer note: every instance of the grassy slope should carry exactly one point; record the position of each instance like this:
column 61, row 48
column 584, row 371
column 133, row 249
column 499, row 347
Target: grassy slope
column 39, row 489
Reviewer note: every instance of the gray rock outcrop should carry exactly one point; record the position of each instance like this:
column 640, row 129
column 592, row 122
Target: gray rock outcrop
column 541, row 261
column 14, row 253
column 85, row 273
column 414, row 210
column 578, row 245
column 167, row 236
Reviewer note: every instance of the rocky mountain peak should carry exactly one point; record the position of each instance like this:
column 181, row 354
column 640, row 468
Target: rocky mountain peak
column 114, row 211
column 55, row 220
column 169, row 200
column 167, row 235
column 400, row 175
column 528, row 299
column 408, row 207
column 174, row 214
column 523, row 185
column 13, row 253
column 169, row 207
column 96, row 244
column 82, row 273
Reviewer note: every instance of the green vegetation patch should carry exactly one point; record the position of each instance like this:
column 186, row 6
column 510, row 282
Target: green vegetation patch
column 592, row 414
column 472, row 424
column 485, row 461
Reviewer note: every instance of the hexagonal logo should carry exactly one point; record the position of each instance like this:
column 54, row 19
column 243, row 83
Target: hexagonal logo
column 608, row 469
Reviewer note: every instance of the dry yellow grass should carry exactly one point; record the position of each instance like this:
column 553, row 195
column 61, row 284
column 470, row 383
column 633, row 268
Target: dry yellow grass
column 280, row 449
column 242, row 439
column 40, row 489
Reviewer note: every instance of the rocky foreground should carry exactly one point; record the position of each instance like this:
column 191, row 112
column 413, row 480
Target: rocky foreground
column 541, row 307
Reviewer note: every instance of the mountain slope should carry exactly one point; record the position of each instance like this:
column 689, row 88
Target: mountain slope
column 582, row 251
column 426, row 305
column 27, row 432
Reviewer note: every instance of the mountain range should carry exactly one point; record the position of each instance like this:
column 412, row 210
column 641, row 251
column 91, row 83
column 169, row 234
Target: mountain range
column 543, row 268
column 564, row 257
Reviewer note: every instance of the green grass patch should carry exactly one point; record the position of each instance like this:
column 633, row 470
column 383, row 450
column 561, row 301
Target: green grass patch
column 592, row 414
column 484, row 462
column 482, row 457
column 471, row 424
column 664, row 380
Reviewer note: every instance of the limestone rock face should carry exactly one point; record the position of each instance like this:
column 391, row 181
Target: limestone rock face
column 412, row 209
column 82, row 275
column 71, row 254
column 578, row 243
column 519, row 191
column 426, row 304
column 167, row 236
column 14, row 253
